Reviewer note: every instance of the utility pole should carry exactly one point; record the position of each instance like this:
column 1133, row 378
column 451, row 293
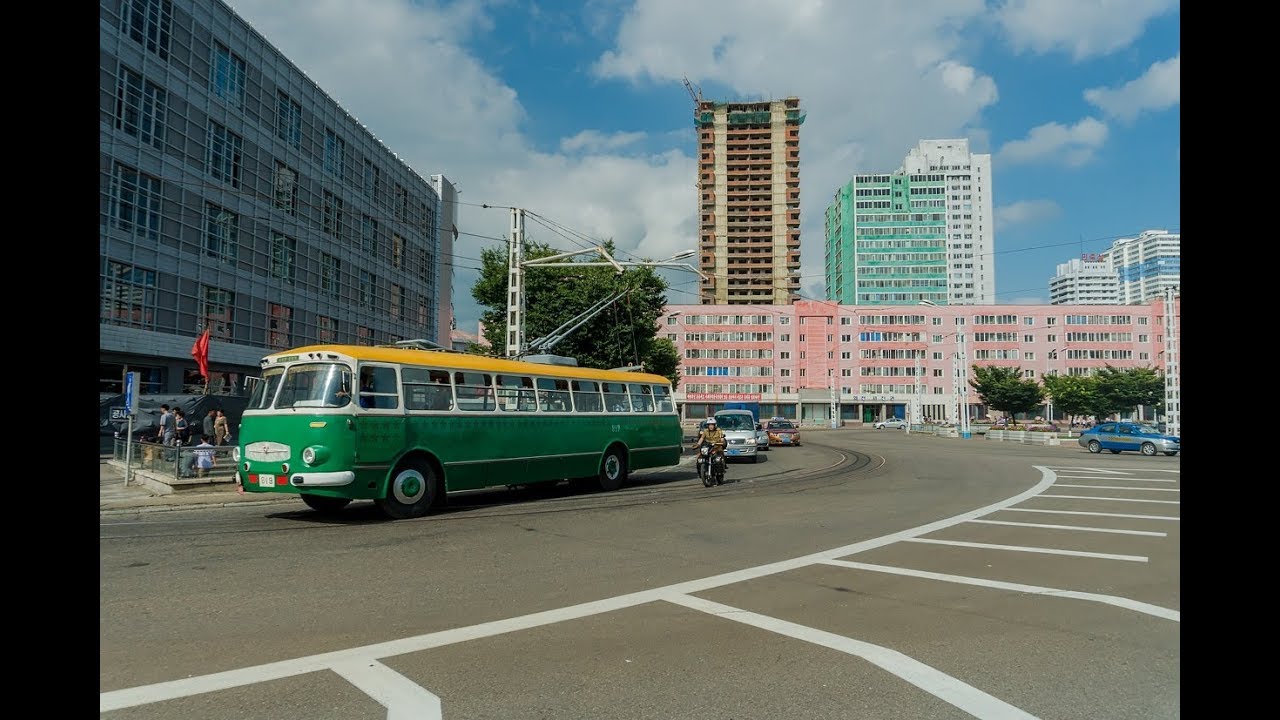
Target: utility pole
column 964, row 389
column 1172, row 384
column 915, row 396
column 515, row 286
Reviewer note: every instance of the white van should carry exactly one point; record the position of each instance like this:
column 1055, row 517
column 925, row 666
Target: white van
column 739, row 428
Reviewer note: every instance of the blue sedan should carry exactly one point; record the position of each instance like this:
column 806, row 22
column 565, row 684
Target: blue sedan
column 1117, row 436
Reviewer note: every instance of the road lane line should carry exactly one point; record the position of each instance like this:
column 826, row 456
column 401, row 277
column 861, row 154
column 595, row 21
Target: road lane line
column 1085, row 528
column 1122, row 602
column 403, row 698
column 931, row 680
column 1118, row 487
column 1095, row 514
column 1113, row 477
column 1027, row 548
column 1093, row 497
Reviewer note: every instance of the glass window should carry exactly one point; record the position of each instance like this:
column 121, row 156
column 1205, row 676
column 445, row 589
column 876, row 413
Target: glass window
column 586, row 396
column 226, row 78
column 641, row 397
column 315, row 385
column 148, row 22
column 662, row 398
column 475, row 391
column 615, row 397
column 265, row 390
column 515, row 394
column 553, row 395
column 289, row 120
column 378, row 389
column 224, row 154
column 426, row 389
column 141, row 108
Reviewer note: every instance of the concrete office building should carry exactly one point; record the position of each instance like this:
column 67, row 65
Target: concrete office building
column 1147, row 264
column 237, row 196
column 923, row 232
column 749, row 200
column 1086, row 280
column 802, row 360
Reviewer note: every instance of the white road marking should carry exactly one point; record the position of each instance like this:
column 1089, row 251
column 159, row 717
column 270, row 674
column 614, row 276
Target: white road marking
column 1027, row 548
column 1095, row 514
column 1093, row 497
column 1121, row 602
column 403, row 698
column 173, row 689
column 1072, row 527
column 1113, row 477
column 1117, row 487
column 935, row 682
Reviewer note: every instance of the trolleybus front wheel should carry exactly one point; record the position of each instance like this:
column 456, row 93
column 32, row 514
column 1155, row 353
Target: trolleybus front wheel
column 414, row 488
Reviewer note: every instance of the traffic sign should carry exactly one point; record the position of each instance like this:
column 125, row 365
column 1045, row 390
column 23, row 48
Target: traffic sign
column 119, row 413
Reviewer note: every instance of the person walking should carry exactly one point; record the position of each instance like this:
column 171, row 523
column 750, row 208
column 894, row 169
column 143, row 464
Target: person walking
column 181, row 428
column 167, row 430
column 221, row 429
column 207, row 424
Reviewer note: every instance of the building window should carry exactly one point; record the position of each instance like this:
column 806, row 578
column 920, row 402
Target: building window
column 147, row 22
column 135, row 202
column 402, row 202
column 369, row 236
column 224, row 154
column 366, row 287
column 141, row 108
column 397, row 301
column 372, row 180
column 326, row 329
column 217, row 308
column 335, row 150
column 222, row 232
column 286, row 188
column 364, row 336
column 397, row 250
column 422, row 311
column 328, row 274
column 332, row 210
column 278, row 327
column 289, row 120
column 226, row 78
column 282, row 256
column 129, row 296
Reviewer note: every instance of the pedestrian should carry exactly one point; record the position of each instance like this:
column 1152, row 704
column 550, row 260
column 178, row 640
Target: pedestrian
column 221, row 432
column 204, row 456
column 207, row 424
column 166, row 432
column 181, row 427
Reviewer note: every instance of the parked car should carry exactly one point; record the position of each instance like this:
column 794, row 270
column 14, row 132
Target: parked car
column 782, row 432
column 762, row 438
column 891, row 423
column 1119, row 436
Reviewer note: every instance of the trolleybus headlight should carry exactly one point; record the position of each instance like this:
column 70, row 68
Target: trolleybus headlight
column 315, row 455
column 235, row 454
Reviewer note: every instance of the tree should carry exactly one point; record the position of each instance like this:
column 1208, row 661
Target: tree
column 1072, row 394
column 1123, row 390
column 623, row 334
column 1004, row 389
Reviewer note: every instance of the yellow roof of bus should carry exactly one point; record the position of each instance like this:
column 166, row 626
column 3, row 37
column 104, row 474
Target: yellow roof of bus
column 467, row 361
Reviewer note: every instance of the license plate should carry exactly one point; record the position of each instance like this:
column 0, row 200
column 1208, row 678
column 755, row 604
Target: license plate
column 266, row 481
column 734, row 451
column 786, row 440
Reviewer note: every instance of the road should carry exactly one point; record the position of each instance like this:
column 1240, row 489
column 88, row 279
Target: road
column 865, row 574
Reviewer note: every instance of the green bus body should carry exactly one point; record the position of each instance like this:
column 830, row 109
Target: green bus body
column 389, row 451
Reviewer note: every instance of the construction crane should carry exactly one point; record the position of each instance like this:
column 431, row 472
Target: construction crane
column 695, row 94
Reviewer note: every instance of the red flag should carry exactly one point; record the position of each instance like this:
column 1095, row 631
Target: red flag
column 200, row 351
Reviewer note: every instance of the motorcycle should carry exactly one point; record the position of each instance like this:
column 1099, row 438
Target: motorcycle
column 711, row 464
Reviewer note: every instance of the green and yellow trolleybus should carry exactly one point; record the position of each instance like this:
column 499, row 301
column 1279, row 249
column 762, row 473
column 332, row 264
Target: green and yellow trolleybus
column 404, row 424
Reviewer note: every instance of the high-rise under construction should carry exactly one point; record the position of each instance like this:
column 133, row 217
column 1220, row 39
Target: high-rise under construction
column 749, row 200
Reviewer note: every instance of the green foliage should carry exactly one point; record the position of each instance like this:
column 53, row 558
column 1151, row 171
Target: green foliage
column 1121, row 390
column 1072, row 394
column 1004, row 389
column 623, row 334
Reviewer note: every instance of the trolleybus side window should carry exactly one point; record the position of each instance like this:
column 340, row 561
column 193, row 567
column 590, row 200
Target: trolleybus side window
column 426, row 389
column 264, row 392
column 662, row 396
column 615, row 397
column 515, row 393
column 378, row 388
column 641, row 397
column 553, row 395
column 586, row 396
column 475, row 391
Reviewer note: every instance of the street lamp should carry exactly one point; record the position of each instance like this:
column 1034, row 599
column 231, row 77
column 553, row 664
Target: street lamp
column 1053, row 355
column 960, row 375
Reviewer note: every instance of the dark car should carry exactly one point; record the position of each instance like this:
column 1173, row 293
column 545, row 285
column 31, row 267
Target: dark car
column 1134, row 436
column 782, row 432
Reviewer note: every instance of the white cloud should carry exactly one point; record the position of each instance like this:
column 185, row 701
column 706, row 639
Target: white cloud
column 1026, row 212
column 1159, row 88
column 1083, row 28
column 1053, row 142
column 595, row 141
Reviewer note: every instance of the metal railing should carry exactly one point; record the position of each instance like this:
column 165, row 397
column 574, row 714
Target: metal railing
column 176, row 461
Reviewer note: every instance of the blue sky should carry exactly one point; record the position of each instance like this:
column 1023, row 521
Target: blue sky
column 577, row 111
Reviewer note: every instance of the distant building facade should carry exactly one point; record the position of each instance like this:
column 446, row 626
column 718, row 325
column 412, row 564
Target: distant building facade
column 924, row 232
column 1147, row 264
column 1086, row 280
column 800, row 361
column 749, row 200
column 237, row 196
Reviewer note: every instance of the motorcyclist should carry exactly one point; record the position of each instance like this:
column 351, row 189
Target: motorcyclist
column 711, row 433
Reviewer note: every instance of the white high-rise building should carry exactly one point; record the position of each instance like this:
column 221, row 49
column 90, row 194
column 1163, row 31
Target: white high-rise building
column 1146, row 265
column 971, row 276
column 1086, row 280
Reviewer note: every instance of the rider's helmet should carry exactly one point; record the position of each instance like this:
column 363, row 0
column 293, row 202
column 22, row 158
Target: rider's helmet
column 711, row 422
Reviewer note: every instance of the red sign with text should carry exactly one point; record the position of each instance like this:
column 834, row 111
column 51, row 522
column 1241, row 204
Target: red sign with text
column 750, row 397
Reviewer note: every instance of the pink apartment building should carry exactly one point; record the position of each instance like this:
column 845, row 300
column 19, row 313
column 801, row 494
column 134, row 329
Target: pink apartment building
column 794, row 360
